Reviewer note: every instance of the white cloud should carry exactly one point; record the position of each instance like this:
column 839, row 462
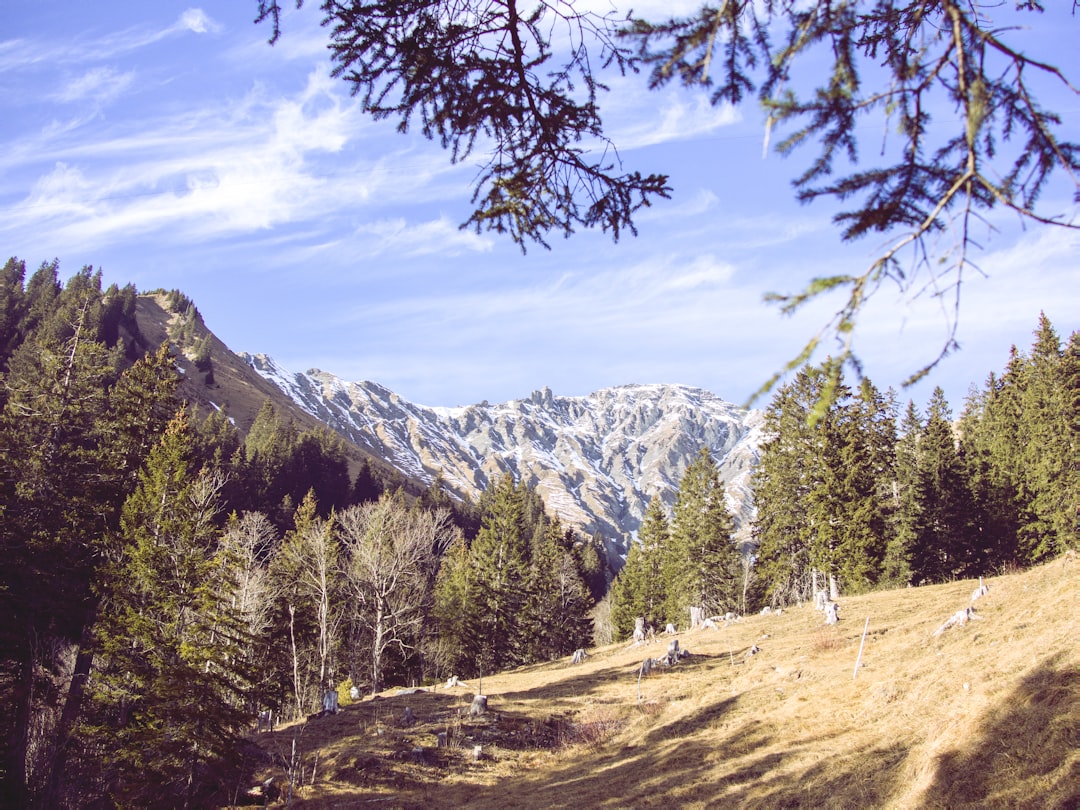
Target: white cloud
column 440, row 236
column 197, row 21
column 100, row 85
column 207, row 172
column 23, row 53
column 678, row 119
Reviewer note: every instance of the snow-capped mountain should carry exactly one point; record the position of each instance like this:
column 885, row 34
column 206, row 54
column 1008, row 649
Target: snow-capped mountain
column 597, row 460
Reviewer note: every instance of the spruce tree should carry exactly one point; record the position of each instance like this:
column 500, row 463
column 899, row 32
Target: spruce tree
column 701, row 566
column 1049, row 452
column 453, row 610
column 500, row 563
column 906, row 523
column 638, row 590
column 945, row 548
column 165, row 695
column 788, row 473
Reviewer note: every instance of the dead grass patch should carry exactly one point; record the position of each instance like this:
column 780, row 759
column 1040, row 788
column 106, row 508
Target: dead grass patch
column 987, row 714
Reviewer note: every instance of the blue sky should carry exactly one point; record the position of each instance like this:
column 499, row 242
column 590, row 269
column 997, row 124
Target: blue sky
column 169, row 145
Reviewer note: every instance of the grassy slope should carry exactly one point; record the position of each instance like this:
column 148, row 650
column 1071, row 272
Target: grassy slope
column 983, row 715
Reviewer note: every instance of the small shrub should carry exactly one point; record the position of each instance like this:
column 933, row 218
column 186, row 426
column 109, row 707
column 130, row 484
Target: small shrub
column 826, row 639
column 595, row 727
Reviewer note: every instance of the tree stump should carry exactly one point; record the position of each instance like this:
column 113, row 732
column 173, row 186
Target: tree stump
column 330, row 701
column 697, row 616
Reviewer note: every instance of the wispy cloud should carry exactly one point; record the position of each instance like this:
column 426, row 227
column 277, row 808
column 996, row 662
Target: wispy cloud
column 100, row 85
column 399, row 238
column 206, row 172
column 22, row 53
column 677, row 119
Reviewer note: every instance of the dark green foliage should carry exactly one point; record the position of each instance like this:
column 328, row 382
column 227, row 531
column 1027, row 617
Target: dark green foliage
column 639, row 589
column 690, row 561
column 164, row 715
column 1020, row 440
column 789, row 471
column 282, row 465
column 595, row 567
column 824, row 488
column 366, row 486
column 906, row 520
column 944, row 548
column 701, row 566
column 516, row 594
column 12, row 309
column 489, row 71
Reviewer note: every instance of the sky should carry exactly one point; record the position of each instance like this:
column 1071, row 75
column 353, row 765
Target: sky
column 170, row 146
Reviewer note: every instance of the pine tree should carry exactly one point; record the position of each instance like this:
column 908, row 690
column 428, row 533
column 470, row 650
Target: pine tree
column 500, row 563
column 165, row 697
column 701, row 565
column 638, row 590
column 945, row 548
column 906, row 523
column 788, row 473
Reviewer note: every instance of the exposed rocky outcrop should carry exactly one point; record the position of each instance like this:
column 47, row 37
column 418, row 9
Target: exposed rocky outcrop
column 597, row 460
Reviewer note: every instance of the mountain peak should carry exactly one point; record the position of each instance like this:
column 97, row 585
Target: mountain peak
column 596, row 459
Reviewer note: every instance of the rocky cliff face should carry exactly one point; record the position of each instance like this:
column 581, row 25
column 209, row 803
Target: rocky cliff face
column 597, row 460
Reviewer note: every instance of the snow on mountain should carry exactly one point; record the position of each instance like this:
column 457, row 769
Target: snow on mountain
column 597, row 460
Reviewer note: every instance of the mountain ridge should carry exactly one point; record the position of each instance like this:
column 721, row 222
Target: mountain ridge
column 596, row 459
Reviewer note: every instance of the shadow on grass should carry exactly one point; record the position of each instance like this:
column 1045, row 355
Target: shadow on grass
column 577, row 683
column 1027, row 752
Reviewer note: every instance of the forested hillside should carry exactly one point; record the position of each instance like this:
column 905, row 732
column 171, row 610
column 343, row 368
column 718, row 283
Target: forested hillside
column 168, row 578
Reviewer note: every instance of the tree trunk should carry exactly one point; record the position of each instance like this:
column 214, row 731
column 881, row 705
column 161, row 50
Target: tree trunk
column 14, row 786
column 377, row 647
column 295, row 663
column 84, row 661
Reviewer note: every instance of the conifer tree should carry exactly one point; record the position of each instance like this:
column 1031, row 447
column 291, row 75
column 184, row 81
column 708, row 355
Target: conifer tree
column 906, row 523
column 51, row 514
column 860, row 449
column 12, row 310
column 594, row 566
column 557, row 601
column 500, row 564
column 166, row 720
column 945, row 547
column 989, row 444
column 788, row 472
column 638, row 590
column 701, row 565
column 453, row 609
column 1049, row 452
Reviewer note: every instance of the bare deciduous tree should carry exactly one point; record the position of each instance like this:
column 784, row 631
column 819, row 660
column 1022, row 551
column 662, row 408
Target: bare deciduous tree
column 391, row 554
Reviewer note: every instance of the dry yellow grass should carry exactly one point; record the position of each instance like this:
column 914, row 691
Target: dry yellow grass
column 983, row 715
